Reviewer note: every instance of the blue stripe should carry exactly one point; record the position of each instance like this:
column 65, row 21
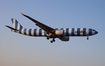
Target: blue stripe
column 34, row 32
column 20, row 31
column 30, row 30
column 78, row 32
column 12, row 20
column 21, row 27
column 72, row 33
column 90, row 31
column 24, row 31
column 56, row 28
column 16, row 24
column 84, row 31
column 67, row 31
column 61, row 28
column 40, row 32
column 45, row 34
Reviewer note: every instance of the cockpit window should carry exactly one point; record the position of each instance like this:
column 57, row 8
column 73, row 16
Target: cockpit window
column 93, row 30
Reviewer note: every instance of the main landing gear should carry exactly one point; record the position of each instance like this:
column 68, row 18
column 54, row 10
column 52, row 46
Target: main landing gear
column 53, row 40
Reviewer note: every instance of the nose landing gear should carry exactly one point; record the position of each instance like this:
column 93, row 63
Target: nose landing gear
column 87, row 37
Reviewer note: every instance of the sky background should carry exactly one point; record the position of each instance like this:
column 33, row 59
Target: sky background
column 21, row 50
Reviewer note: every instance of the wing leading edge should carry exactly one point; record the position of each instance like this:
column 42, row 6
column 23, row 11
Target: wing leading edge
column 41, row 25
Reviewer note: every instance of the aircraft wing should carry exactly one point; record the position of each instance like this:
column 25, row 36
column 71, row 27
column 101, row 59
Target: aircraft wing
column 41, row 25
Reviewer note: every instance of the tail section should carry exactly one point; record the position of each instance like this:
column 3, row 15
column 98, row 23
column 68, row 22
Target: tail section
column 16, row 24
column 17, row 27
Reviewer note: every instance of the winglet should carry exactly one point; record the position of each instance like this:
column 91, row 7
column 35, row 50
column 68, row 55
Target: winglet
column 26, row 16
column 22, row 13
column 30, row 18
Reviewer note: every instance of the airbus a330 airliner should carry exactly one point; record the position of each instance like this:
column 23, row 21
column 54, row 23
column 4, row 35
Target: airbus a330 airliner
column 49, row 32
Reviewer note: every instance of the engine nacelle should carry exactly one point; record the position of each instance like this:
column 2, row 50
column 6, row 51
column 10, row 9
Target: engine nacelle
column 59, row 32
column 64, row 38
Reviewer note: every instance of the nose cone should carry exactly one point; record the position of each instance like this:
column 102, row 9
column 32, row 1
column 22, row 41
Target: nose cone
column 96, row 32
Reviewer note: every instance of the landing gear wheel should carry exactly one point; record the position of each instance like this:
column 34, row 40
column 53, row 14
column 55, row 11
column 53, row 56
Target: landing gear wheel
column 51, row 41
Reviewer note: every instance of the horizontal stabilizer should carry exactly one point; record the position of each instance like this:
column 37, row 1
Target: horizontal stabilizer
column 12, row 28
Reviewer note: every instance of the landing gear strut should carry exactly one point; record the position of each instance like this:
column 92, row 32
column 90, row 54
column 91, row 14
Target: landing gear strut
column 87, row 37
column 53, row 40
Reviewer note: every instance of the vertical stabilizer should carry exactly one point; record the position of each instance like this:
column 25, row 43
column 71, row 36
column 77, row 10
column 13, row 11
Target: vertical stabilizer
column 16, row 24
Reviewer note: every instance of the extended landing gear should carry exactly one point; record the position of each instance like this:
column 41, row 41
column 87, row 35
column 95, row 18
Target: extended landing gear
column 52, row 40
column 47, row 38
column 87, row 37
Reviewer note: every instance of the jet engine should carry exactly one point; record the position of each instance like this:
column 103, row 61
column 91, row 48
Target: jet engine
column 59, row 32
column 66, row 38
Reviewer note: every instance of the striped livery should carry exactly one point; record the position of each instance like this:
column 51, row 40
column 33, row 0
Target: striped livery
column 41, row 32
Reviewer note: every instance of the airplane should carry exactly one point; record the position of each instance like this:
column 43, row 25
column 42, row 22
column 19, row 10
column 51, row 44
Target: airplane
column 50, row 33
